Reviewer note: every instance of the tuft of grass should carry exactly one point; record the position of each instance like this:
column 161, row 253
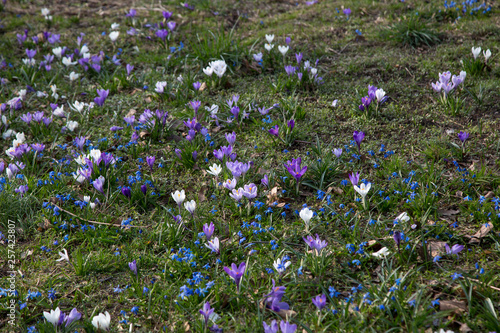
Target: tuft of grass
column 411, row 31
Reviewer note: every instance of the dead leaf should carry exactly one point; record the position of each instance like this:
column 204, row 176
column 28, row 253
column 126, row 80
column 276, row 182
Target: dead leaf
column 464, row 328
column 203, row 86
column 131, row 112
column 457, row 307
column 335, row 189
column 485, row 229
column 201, row 193
column 459, row 194
column 490, row 194
column 143, row 134
column 147, row 99
column 186, row 326
column 272, row 195
column 434, row 248
column 448, row 212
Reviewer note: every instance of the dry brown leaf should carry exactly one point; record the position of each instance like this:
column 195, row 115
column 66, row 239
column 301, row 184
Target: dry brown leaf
column 143, row 134
column 485, row 229
column 131, row 112
column 147, row 99
column 448, row 212
column 490, row 194
column 186, row 326
column 457, row 307
column 272, row 195
column 434, row 248
column 464, row 328
column 203, row 86
column 335, row 189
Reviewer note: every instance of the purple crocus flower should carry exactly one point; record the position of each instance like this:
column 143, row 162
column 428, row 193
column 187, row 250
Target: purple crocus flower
column 294, row 168
column 291, row 124
column 73, row 316
column 218, row 154
column 129, row 68
column 46, row 121
column 134, row 136
column 286, row 327
column 22, row 190
column 455, row 249
column 2, row 166
column 178, row 152
column 354, row 178
column 99, row 184
column 463, row 136
column 206, row 312
column 236, row 273
column 250, row 191
column 194, row 154
column 337, row 152
column 290, row 70
column 195, row 105
column 131, row 13
column 38, row 147
column 288, row 40
column 358, row 137
column 273, row 328
column 231, row 138
column 144, row 189
column 171, row 25
column 319, row 301
column 273, row 299
column 129, row 120
column 26, row 118
column 162, row 34
column 347, row 12
column 30, row 53
column 265, row 181
column 38, row 116
column 102, row 95
column 115, row 128
column 80, row 141
column 274, row 131
column 126, row 191
column 197, row 85
column 397, row 238
column 298, row 56
column 167, row 14
column 150, row 160
column 133, row 267
column 299, row 75
column 208, row 230
column 316, row 244
column 235, row 111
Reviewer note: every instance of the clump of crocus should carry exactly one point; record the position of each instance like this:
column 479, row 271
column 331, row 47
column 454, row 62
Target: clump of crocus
column 57, row 317
column 315, row 244
column 133, row 267
column 296, row 170
column 236, row 273
column 447, row 83
column 102, row 321
column 273, row 299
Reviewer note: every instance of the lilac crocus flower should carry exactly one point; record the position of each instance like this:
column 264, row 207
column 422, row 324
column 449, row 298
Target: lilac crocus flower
column 231, row 138
column 26, row 118
column 99, row 184
column 171, row 25
column 131, row 13
column 265, row 181
column 455, row 249
column 208, row 230
column 133, row 267
column 235, row 111
column 167, row 14
column 38, row 147
column 126, row 191
column 316, row 244
column 295, row 169
column 286, row 327
column 257, row 57
column 273, row 328
column 319, row 301
column 274, row 131
column 354, row 178
column 101, row 98
column 290, row 70
column 30, row 53
column 347, row 12
column 150, row 160
column 206, row 312
column 218, row 154
column 337, row 152
column 80, row 141
column 129, row 68
column 298, row 56
column 22, row 189
column 463, row 136
column 358, row 137
column 73, row 316
column 250, row 191
column 288, row 40
column 236, row 273
column 115, row 128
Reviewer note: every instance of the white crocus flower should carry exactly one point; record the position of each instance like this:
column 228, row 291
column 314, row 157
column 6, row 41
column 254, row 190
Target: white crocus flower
column 59, row 112
column 476, row 51
column 84, row 49
column 86, row 198
column 102, row 321
column 269, row 38
column 363, row 191
column 306, row 215
column 78, row 106
column 219, row 67
column 64, row 256
column 95, row 154
column 179, row 197
column 213, row 244
column 115, row 26
column 281, row 266
column 190, row 206
column 57, row 52
column 114, row 35
column 403, row 217
column 487, row 55
column 215, row 170
column 45, row 12
column 53, row 316
column 379, row 93
column 208, row 71
column 73, row 76
column 72, row 125
column 382, row 253
column 67, row 61
column 160, row 87
column 268, row 47
column 283, row 49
